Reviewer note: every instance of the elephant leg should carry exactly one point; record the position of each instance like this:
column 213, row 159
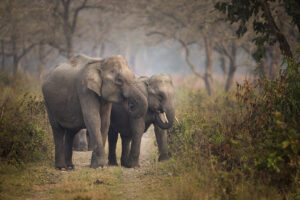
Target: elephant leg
column 58, row 135
column 91, row 110
column 105, row 112
column 98, row 155
column 112, row 142
column 162, row 142
column 88, row 141
column 125, row 150
column 69, row 138
column 138, row 127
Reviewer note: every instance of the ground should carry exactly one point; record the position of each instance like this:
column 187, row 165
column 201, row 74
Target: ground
column 41, row 181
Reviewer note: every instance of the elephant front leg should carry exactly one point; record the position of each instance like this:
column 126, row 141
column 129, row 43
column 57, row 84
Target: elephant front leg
column 125, row 150
column 112, row 142
column 162, row 142
column 138, row 127
column 91, row 110
column 69, row 138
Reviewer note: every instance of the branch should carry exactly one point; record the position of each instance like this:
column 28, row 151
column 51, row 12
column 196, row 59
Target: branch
column 26, row 50
column 187, row 51
column 75, row 15
column 224, row 50
column 54, row 45
column 283, row 43
column 187, row 59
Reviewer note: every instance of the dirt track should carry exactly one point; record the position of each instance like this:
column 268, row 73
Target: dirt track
column 109, row 182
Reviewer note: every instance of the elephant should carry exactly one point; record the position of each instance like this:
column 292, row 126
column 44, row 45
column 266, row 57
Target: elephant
column 80, row 142
column 79, row 94
column 159, row 91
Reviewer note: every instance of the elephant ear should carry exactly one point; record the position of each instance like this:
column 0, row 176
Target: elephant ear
column 93, row 79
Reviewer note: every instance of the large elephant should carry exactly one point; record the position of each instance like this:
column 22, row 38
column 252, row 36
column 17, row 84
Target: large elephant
column 159, row 91
column 79, row 94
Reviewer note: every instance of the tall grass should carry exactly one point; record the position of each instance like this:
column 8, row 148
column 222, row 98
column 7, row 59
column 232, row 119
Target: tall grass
column 240, row 145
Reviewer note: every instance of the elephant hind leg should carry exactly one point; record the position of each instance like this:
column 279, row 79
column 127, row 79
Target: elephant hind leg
column 69, row 138
column 59, row 137
column 112, row 142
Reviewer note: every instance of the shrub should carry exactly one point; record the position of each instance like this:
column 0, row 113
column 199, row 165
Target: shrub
column 23, row 125
column 250, row 137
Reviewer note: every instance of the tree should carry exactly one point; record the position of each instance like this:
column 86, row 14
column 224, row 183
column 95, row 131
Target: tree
column 65, row 23
column 186, row 22
column 260, row 14
column 22, row 27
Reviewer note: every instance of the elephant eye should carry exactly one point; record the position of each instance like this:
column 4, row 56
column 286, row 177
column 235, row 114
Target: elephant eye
column 119, row 81
column 161, row 97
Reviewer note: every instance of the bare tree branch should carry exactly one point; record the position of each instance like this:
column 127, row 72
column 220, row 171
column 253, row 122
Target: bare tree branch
column 187, row 52
column 75, row 15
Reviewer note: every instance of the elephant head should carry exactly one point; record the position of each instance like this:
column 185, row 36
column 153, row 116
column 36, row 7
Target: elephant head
column 112, row 80
column 161, row 100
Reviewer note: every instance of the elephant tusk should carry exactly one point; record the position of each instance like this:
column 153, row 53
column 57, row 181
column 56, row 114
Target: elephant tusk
column 163, row 117
column 176, row 120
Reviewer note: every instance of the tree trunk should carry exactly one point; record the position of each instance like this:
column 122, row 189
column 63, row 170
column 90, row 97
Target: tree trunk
column 69, row 49
column 15, row 56
column 232, row 67
column 223, row 65
column 208, row 66
column 102, row 49
column 131, row 61
column 2, row 69
column 275, row 62
column 283, row 43
column 41, row 64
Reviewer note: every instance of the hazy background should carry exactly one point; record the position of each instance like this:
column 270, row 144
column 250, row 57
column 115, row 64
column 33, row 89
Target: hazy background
column 183, row 38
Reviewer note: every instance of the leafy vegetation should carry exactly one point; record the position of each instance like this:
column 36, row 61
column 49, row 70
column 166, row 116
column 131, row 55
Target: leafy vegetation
column 245, row 143
column 23, row 123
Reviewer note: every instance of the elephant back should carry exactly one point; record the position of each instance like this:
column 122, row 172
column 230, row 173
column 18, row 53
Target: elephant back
column 81, row 60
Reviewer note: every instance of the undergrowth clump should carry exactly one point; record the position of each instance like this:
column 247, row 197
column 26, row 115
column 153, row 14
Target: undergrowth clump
column 245, row 143
column 23, row 123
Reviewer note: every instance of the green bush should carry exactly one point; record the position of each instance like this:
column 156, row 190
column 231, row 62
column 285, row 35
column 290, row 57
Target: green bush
column 23, row 124
column 250, row 137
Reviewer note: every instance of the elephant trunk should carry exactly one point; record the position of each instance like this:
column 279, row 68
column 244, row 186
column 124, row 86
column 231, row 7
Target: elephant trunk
column 165, row 119
column 136, row 102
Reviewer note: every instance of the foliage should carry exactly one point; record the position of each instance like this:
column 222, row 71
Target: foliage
column 23, row 124
column 260, row 15
column 250, row 138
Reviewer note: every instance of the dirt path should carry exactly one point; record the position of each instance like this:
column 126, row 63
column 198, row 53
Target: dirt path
column 42, row 181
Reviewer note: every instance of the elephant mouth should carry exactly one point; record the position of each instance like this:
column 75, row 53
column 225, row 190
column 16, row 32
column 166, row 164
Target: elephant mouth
column 163, row 119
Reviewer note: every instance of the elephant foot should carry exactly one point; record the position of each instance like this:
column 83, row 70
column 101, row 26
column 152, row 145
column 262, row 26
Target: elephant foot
column 70, row 167
column 97, row 161
column 131, row 164
column 163, row 157
column 112, row 160
column 113, row 163
column 61, row 168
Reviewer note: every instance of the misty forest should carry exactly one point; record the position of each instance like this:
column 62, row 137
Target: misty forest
column 150, row 99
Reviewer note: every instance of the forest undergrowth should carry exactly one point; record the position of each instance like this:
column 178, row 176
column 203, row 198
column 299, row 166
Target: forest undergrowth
column 243, row 144
column 239, row 145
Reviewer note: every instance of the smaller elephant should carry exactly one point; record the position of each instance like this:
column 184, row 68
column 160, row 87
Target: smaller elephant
column 159, row 91
column 81, row 141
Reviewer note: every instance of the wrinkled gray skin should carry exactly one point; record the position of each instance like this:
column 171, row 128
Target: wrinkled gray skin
column 160, row 95
column 80, row 142
column 79, row 94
